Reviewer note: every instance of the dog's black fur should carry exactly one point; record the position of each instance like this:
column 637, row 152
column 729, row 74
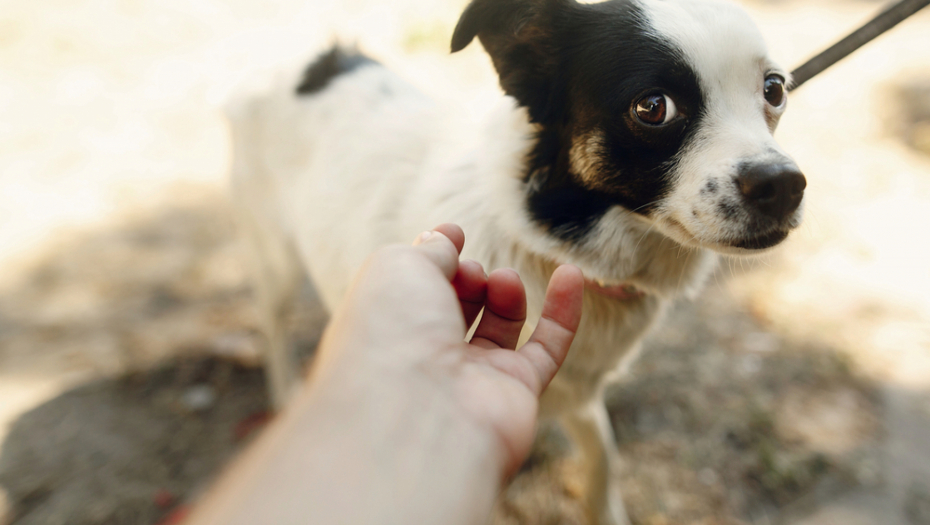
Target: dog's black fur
column 578, row 67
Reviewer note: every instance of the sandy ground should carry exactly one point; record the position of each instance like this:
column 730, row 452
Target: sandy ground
column 795, row 390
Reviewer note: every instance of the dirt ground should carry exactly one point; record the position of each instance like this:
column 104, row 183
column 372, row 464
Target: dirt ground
column 795, row 390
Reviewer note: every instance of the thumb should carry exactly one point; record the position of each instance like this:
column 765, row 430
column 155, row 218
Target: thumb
column 440, row 251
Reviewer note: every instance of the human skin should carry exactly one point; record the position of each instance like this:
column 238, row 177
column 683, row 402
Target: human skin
column 402, row 421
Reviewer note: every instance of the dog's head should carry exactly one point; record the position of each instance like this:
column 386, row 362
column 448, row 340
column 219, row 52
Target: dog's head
column 663, row 107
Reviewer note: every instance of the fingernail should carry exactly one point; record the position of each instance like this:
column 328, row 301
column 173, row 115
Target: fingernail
column 422, row 238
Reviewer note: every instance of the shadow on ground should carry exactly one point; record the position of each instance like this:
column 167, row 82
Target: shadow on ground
column 130, row 450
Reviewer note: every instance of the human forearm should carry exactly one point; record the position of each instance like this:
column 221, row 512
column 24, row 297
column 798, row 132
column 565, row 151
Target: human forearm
column 363, row 456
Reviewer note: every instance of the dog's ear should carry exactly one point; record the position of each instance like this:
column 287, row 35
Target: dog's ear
column 522, row 38
column 490, row 17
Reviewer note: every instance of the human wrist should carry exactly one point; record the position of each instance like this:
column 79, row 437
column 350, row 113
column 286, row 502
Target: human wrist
column 424, row 460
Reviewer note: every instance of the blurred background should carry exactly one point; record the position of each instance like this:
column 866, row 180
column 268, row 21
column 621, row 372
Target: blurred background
column 796, row 389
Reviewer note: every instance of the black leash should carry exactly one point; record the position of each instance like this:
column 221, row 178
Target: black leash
column 887, row 19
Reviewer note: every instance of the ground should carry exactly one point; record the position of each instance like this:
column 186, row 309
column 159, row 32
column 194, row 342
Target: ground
column 795, row 389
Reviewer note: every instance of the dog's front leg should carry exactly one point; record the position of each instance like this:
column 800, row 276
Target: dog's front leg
column 277, row 281
column 276, row 278
column 593, row 435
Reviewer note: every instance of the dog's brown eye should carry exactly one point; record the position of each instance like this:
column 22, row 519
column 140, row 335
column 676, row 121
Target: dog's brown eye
column 655, row 109
column 775, row 90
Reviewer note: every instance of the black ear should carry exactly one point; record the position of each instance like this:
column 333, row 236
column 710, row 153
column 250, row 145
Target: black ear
column 523, row 38
column 469, row 23
column 489, row 17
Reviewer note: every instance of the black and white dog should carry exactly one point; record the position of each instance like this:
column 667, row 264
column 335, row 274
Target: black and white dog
column 635, row 141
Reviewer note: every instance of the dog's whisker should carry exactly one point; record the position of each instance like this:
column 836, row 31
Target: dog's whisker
column 636, row 248
column 717, row 280
column 682, row 276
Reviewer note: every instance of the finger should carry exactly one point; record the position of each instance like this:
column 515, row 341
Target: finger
column 440, row 250
column 471, row 287
column 561, row 315
column 454, row 233
column 504, row 311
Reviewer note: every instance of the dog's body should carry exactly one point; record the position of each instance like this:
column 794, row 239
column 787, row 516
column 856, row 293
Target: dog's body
column 635, row 142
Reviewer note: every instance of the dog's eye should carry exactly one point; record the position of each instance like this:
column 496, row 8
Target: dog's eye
column 775, row 90
column 655, row 109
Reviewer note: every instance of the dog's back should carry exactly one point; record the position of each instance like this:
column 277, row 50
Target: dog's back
column 298, row 175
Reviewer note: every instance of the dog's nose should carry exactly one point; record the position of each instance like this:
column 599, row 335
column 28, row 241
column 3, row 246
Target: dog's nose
column 775, row 190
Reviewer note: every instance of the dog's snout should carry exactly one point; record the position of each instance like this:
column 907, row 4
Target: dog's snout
column 774, row 190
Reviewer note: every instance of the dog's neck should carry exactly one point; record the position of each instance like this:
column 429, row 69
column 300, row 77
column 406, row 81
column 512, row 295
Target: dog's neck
column 618, row 247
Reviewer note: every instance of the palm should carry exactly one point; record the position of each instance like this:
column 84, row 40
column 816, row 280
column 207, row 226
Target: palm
column 400, row 302
column 501, row 385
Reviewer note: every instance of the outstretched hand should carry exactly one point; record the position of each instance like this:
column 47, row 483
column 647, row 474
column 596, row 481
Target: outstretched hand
column 408, row 314
column 402, row 420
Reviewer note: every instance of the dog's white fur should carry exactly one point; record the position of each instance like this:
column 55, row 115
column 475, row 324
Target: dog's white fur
column 324, row 180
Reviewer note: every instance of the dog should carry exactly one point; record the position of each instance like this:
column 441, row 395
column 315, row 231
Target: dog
column 634, row 140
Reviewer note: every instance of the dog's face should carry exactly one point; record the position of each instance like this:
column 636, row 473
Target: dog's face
column 663, row 107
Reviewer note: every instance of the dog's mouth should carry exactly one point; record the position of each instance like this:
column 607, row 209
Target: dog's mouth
column 761, row 242
column 749, row 243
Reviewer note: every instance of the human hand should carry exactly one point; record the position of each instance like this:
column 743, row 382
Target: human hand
column 403, row 326
column 402, row 420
